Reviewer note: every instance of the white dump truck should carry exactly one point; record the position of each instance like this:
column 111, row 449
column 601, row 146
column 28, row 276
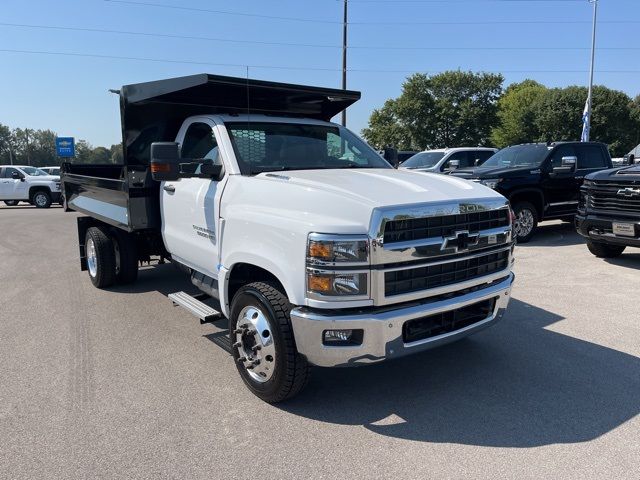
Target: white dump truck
column 313, row 247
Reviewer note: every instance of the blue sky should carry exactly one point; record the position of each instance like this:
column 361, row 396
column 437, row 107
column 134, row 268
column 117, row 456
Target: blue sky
column 68, row 94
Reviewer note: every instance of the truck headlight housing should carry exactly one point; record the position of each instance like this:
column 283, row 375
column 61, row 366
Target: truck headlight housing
column 337, row 267
column 337, row 284
column 344, row 250
column 491, row 182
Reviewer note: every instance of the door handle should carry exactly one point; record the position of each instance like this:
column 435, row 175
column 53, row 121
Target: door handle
column 169, row 188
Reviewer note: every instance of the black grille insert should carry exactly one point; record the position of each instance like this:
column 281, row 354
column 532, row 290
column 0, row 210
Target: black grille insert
column 606, row 197
column 418, row 228
column 447, row 322
column 433, row 276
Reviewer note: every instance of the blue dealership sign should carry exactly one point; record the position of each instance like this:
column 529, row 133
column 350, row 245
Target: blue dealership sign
column 65, row 146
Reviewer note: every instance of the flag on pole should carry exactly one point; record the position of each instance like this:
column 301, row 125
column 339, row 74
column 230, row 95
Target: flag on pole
column 586, row 122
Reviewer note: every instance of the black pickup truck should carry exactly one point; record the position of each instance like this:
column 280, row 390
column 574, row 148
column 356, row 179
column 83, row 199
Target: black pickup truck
column 542, row 181
column 609, row 211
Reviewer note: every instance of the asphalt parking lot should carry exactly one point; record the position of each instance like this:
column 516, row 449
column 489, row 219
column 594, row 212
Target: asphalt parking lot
column 120, row 384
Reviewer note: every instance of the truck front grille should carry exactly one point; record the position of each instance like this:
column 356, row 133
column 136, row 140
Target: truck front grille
column 447, row 322
column 605, row 197
column 441, row 274
column 421, row 228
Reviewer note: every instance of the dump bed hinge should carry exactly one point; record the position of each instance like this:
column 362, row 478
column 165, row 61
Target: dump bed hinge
column 204, row 312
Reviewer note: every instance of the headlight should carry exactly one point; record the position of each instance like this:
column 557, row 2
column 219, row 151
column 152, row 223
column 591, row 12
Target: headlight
column 587, row 183
column 337, row 284
column 335, row 249
column 326, row 251
column 491, row 182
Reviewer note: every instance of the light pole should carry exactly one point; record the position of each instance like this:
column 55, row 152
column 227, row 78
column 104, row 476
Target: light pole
column 344, row 59
column 586, row 127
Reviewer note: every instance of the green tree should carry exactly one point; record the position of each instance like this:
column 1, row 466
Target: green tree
column 517, row 114
column 385, row 128
column 7, row 145
column 448, row 109
column 559, row 117
column 116, row 153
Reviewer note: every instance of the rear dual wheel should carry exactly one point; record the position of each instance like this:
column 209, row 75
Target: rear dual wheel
column 111, row 257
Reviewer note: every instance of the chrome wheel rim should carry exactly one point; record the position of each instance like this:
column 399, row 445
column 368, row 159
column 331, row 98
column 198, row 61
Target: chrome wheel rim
column 41, row 199
column 92, row 259
column 524, row 223
column 254, row 344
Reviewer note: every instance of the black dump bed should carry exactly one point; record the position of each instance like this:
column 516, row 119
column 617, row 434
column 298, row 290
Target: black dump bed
column 125, row 195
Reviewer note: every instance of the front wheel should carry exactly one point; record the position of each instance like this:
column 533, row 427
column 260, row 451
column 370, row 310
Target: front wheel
column 603, row 250
column 41, row 199
column 526, row 221
column 263, row 345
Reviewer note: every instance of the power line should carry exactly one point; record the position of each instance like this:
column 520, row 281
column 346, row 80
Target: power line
column 384, row 23
column 290, row 44
column 277, row 67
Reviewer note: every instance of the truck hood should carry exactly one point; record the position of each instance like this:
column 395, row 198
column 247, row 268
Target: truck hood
column 44, row 178
column 343, row 200
column 383, row 187
column 625, row 174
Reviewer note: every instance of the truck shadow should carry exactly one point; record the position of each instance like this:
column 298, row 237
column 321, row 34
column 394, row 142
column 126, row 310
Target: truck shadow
column 514, row 385
column 556, row 234
column 629, row 260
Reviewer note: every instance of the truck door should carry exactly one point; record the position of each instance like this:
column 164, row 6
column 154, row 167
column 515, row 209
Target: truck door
column 560, row 188
column 190, row 206
column 11, row 188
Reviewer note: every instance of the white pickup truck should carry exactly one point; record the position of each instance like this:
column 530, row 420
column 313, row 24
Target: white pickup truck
column 303, row 237
column 20, row 183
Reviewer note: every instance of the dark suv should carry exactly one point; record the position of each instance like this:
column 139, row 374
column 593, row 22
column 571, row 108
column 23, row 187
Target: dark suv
column 609, row 211
column 542, row 181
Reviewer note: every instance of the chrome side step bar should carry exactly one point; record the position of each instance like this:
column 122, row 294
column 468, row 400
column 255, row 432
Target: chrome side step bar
column 204, row 312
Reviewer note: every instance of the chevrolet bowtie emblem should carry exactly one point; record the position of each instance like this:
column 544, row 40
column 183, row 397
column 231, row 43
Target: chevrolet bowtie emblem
column 460, row 241
column 629, row 192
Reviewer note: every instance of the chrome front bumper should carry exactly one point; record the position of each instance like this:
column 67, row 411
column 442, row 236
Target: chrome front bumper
column 383, row 328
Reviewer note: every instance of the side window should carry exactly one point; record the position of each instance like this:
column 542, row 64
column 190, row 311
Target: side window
column 462, row 157
column 591, row 156
column 482, row 156
column 199, row 142
column 8, row 171
column 340, row 149
column 562, row 151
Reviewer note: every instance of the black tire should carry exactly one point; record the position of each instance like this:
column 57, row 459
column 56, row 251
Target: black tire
column 105, row 261
column 126, row 257
column 291, row 371
column 603, row 250
column 11, row 203
column 41, row 199
column 524, row 210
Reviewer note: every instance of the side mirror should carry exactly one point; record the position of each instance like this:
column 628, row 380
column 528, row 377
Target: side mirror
column 391, row 155
column 165, row 161
column 568, row 165
column 17, row 176
column 476, row 162
column 453, row 165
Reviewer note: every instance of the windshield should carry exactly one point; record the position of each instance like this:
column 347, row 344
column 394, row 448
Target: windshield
column 267, row 147
column 33, row 172
column 518, row 156
column 424, row 160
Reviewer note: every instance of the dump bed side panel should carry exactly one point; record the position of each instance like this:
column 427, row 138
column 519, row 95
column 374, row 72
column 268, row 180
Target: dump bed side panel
column 114, row 194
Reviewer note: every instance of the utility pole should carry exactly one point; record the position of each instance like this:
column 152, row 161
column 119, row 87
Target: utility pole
column 586, row 128
column 344, row 59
